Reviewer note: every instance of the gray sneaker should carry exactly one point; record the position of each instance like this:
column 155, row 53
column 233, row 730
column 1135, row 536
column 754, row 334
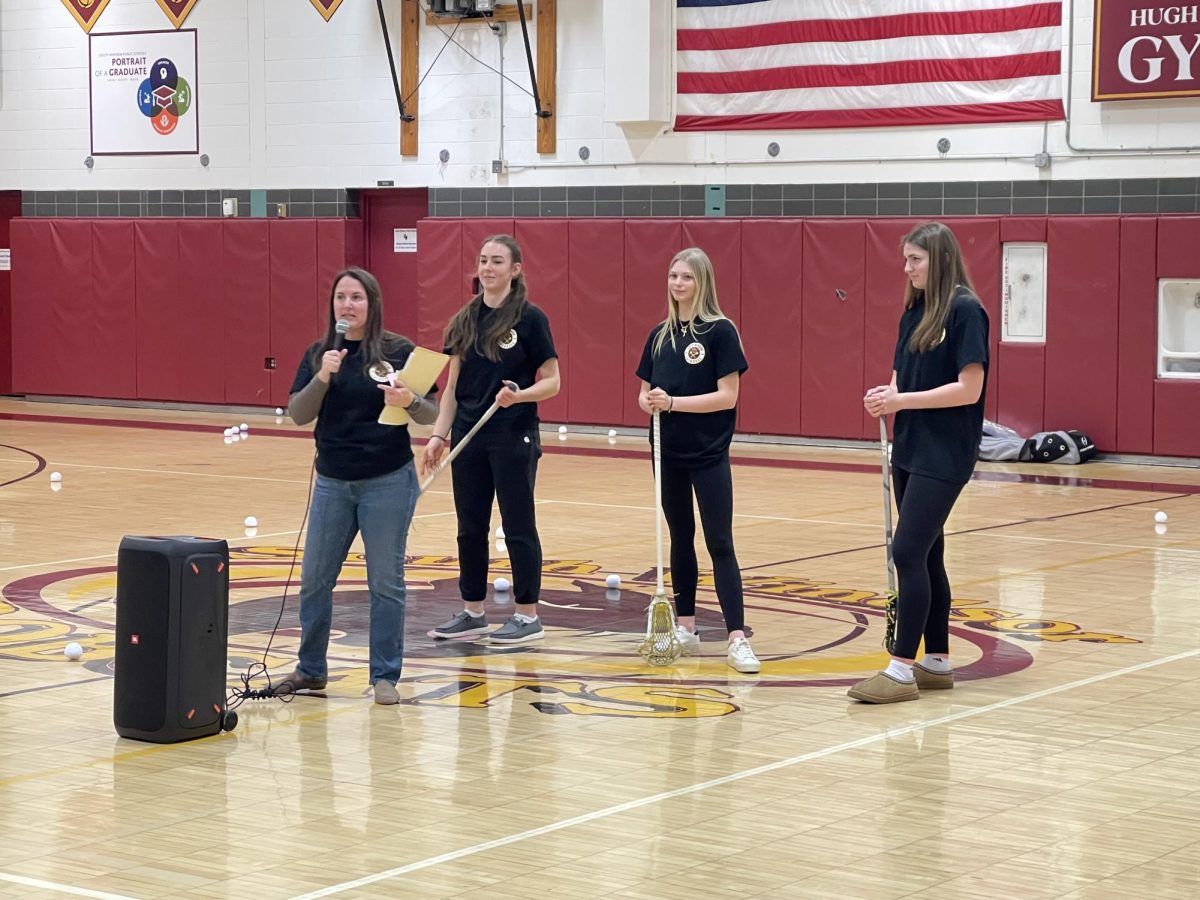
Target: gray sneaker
column 462, row 625
column 514, row 631
column 385, row 693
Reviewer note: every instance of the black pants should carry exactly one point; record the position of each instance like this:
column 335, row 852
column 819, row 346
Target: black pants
column 918, row 548
column 713, row 489
column 502, row 465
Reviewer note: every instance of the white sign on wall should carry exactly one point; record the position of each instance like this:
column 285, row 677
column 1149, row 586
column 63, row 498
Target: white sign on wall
column 1024, row 303
column 143, row 93
column 404, row 240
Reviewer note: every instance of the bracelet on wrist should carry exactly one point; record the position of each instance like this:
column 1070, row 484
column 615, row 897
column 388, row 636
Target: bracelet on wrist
column 672, row 406
column 438, row 436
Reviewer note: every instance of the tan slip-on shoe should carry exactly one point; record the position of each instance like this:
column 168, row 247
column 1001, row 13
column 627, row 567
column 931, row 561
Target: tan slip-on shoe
column 882, row 688
column 929, row 680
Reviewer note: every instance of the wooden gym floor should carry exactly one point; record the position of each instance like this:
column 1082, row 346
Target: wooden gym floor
column 1063, row 764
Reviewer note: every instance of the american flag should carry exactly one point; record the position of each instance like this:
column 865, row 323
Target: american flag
column 779, row 64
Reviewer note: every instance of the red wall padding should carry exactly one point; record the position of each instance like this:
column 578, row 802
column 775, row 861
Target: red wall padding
column 544, row 249
column 246, row 297
column 170, row 309
column 113, row 370
column 161, row 331
column 191, row 310
column 298, row 305
column 202, row 353
column 440, row 287
column 1137, row 330
column 596, row 377
column 1178, row 240
column 10, row 208
column 830, row 342
column 649, row 246
column 1020, row 401
column 1021, row 230
column 772, row 268
column 1082, row 281
column 35, row 255
column 1176, row 424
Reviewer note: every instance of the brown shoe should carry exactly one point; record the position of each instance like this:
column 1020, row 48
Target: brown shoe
column 929, row 680
column 297, row 681
column 385, row 693
column 882, row 688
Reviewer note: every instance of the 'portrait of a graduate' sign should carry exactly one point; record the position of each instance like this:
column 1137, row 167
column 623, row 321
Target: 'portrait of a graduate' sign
column 144, row 93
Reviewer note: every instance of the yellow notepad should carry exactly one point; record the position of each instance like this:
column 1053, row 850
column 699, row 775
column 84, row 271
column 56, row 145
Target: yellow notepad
column 420, row 371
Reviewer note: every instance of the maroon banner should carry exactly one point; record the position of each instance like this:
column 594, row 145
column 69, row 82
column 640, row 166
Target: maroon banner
column 86, row 12
column 177, row 10
column 1144, row 49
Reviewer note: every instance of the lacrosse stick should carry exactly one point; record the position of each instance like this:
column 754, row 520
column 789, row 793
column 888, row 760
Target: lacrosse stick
column 458, row 448
column 889, row 630
column 660, row 646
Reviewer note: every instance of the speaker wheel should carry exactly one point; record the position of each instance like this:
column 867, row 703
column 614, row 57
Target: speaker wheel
column 229, row 720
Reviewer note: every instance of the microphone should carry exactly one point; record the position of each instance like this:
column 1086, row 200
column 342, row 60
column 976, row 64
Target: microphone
column 339, row 333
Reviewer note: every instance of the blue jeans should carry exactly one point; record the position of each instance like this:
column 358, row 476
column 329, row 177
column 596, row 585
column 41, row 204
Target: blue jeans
column 382, row 509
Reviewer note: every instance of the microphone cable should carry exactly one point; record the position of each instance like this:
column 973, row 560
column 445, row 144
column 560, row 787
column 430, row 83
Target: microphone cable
column 260, row 669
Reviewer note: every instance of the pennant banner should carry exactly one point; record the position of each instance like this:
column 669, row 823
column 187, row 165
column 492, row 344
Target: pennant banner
column 325, row 7
column 86, row 12
column 177, row 10
column 773, row 64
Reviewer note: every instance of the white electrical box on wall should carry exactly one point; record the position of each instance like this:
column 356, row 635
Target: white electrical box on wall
column 1178, row 328
column 1024, row 297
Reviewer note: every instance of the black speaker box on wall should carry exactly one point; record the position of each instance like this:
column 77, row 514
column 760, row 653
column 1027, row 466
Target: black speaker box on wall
column 172, row 636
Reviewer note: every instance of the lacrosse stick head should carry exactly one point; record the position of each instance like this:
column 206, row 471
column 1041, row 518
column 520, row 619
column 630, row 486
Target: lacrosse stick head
column 660, row 647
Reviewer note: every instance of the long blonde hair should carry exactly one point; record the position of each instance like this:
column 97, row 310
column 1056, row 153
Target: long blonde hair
column 705, row 308
column 945, row 274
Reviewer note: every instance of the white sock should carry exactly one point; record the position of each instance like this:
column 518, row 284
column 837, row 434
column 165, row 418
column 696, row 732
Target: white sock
column 899, row 671
column 937, row 662
column 474, row 615
column 528, row 620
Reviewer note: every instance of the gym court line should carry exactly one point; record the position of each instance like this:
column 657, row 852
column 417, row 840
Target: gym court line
column 453, row 855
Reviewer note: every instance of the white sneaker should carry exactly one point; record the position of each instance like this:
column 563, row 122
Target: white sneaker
column 741, row 657
column 688, row 641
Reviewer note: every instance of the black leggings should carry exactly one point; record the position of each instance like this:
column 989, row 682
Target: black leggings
column 714, row 495
column 918, row 549
column 504, row 466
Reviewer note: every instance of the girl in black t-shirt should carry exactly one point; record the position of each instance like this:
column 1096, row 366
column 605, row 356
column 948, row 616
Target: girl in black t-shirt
column 690, row 369
column 938, row 383
column 365, row 481
column 497, row 339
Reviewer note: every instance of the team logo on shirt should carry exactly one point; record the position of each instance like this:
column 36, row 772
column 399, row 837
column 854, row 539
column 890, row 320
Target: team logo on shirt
column 693, row 353
column 509, row 340
column 382, row 372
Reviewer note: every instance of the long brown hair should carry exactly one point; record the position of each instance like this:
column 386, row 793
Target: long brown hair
column 376, row 342
column 945, row 273
column 705, row 308
column 461, row 333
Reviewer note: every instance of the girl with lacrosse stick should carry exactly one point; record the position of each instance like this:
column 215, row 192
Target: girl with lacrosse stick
column 939, row 377
column 502, row 363
column 690, row 370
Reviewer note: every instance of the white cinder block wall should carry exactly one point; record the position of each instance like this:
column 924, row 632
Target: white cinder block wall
column 288, row 100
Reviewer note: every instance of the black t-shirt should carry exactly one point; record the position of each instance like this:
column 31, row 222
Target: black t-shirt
column 526, row 347
column 941, row 443
column 698, row 359
column 351, row 444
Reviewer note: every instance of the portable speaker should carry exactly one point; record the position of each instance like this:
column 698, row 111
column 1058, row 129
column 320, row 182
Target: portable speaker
column 172, row 636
